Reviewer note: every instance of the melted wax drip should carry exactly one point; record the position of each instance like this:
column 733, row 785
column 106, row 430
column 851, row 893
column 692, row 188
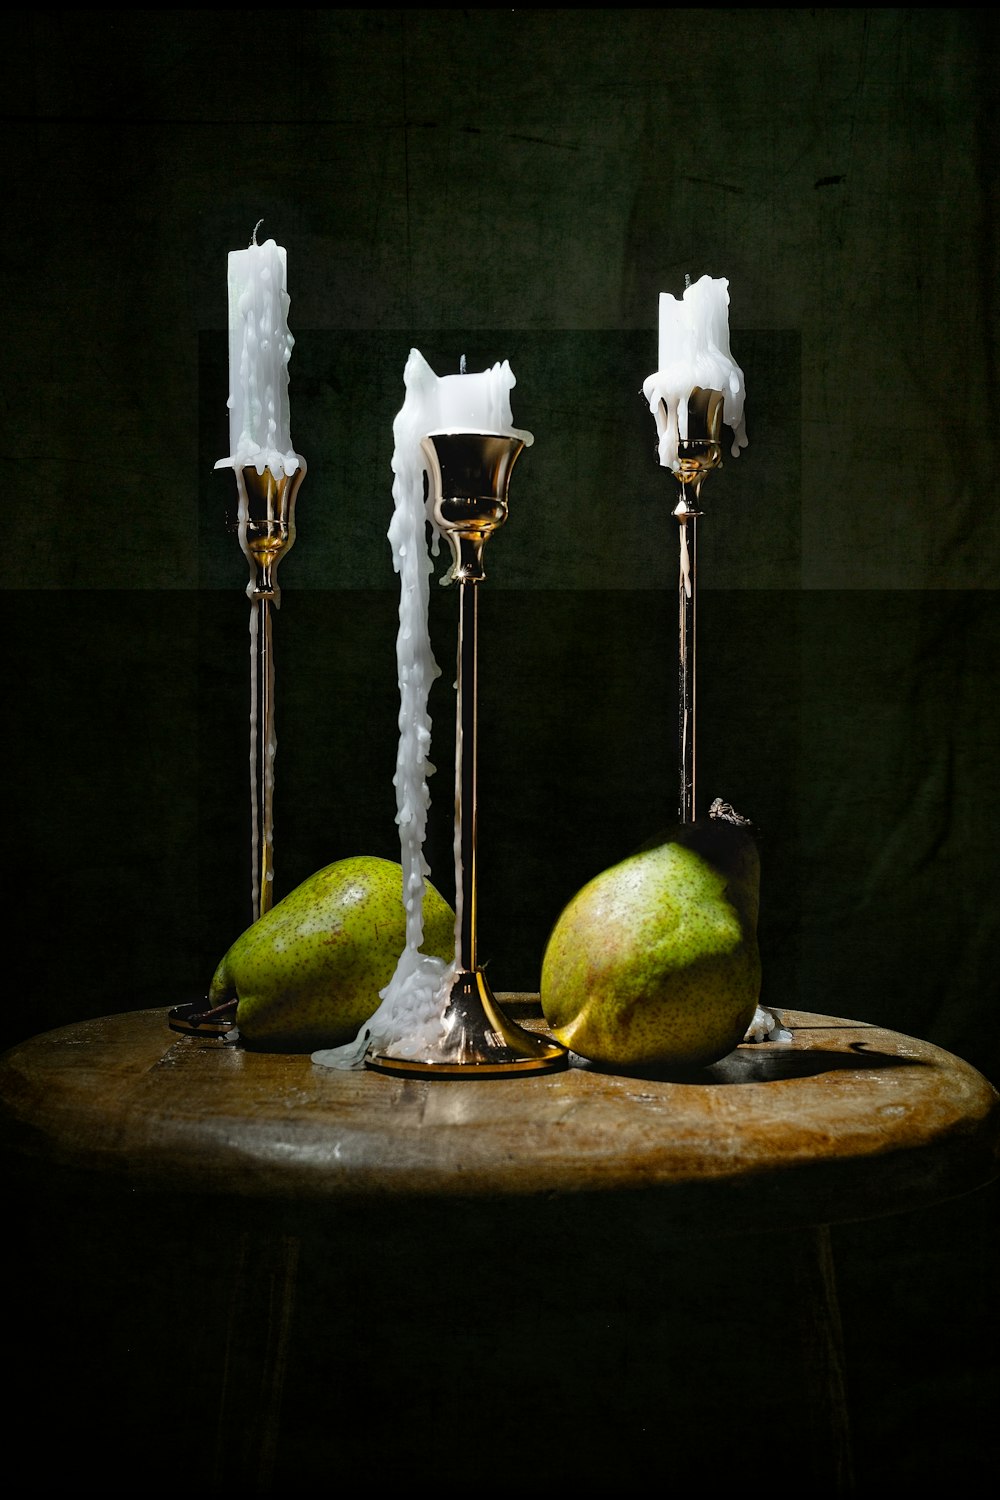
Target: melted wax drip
column 699, row 355
column 411, row 1013
column 407, row 1002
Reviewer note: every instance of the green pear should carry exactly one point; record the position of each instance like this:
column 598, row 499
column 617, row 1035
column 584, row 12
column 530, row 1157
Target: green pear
column 655, row 961
column 307, row 974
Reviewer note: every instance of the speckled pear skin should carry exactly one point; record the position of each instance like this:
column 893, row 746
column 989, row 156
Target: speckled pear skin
column 308, row 973
column 655, row 962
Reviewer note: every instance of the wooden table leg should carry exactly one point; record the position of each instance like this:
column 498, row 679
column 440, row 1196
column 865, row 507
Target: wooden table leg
column 822, row 1347
column 255, row 1367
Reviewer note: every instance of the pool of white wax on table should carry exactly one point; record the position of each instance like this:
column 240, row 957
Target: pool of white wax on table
column 411, row 1012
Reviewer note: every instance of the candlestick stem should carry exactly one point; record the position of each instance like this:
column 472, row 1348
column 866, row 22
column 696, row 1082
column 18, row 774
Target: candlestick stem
column 266, row 530
column 698, row 453
column 466, row 773
column 262, row 750
column 687, row 664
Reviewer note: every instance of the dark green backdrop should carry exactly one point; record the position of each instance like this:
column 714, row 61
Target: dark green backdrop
column 522, row 184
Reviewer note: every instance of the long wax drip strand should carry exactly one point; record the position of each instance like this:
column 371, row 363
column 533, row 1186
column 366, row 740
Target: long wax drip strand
column 409, row 1005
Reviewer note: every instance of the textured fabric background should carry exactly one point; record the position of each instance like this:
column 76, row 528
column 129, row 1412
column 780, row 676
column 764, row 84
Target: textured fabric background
column 522, row 184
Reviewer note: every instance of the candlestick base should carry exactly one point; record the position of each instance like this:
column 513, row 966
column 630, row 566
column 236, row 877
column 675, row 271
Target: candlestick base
column 478, row 1040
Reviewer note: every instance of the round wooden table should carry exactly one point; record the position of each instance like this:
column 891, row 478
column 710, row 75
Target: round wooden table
column 491, row 1205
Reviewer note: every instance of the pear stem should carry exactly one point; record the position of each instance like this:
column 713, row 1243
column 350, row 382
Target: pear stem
column 228, row 1007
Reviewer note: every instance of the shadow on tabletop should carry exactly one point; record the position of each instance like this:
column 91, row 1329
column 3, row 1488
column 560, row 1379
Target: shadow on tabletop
column 761, row 1064
column 757, row 1063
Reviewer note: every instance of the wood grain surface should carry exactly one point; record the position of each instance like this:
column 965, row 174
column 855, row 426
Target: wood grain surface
column 847, row 1121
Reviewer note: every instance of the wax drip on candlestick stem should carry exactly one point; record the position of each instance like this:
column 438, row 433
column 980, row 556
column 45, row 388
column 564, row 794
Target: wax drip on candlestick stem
column 410, row 1017
column 408, row 1005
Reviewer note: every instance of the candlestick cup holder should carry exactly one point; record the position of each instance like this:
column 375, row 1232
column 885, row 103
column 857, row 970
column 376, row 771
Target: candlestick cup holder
column 265, row 525
column 469, row 474
column 698, row 454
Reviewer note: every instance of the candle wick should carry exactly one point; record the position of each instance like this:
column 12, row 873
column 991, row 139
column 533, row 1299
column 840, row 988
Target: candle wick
column 461, row 365
column 687, row 279
column 253, row 237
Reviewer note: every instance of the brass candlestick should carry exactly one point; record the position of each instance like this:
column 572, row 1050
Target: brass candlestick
column 469, row 474
column 266, row 529
column 697, row 455
column 265, row 525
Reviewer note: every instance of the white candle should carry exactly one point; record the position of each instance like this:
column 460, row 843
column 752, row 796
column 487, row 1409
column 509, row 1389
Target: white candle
column 466, row 403
column 260, row 346
column 694, row 351
column 412, row 1005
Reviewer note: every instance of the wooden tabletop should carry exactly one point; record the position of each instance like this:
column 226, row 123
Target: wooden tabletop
column 846, row 1121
